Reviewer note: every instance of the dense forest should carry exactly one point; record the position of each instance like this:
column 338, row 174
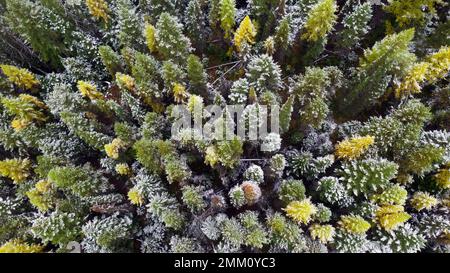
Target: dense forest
column 89, row 158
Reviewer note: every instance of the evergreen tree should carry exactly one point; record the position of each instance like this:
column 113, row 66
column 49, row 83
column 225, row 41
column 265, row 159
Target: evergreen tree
column 129, row 25
column 172, row 44
column 388, row 58
column 320, row 21
column 227, row 16
column 45, row 30
column 195, row 25
column 356, row 25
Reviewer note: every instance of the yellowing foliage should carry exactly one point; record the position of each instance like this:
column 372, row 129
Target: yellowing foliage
column 16, row 169
column 391, row 216
column 301, row 211
column 89, row 90
column 150, row 39
column 179, row 93
column 98, row 9
column 245, row 33
column 435, row 67
column 112, row 149
column 411, row 82
column 354, row 224
column 17, row 246
column 40, row 195
column 21, row 77
column 423, row 200
column 324, row 233
column 320, row 20
column 354, row 147
column 125, row 81
column 439, row 64
column 411, row 11
column 123, row 169
column 135, row 197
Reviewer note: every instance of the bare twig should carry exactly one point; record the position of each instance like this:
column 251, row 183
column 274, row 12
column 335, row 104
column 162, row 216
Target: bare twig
column 229, row 70
column 220, row 65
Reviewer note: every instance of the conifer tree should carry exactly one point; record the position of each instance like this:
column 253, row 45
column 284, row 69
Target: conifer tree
column 157, row 7
column 245, row 34
column 129, row 25
column 321, row 19
column 93, row 149
column 16, row 169
column 99, row 9
column 265, row 13
column 388, row 58
column 20, row 77
column 227, row 16
column 412, row 12
column 150, row 38
column 46, row 31
column 26, row 110
column 196, row 74
column 110, row 59
column 282, row 33
column 356, row 25
column 172, row 44
column 85, row 129
column 195, row 25
column 214, row 14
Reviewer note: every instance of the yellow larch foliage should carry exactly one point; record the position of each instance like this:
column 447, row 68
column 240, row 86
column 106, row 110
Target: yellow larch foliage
column 324, row 233
column 179, row 93
column 435, row 67
column 21, row 77
column 442, row 178
column 411, row 11
column 25, row 109
column 439, row 64
column 89, row 90
column 301, row 211
column 20, row 123
column 423, row 200
column 135, row 197
column 411, row 82
column 150, row 39
column 33, row 100
column 354, row 224
column 390, row 217
column 40, row 196
column 245, row 33
column 98, row 9
column 17, row 246
column 43, row 186
column 354, row 147
column 125, row 81
column 112, row 149
column 16, row 169
column 123, row 169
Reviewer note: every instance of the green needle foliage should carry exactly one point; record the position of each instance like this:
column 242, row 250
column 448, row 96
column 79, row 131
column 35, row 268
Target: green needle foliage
column 91, row 152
